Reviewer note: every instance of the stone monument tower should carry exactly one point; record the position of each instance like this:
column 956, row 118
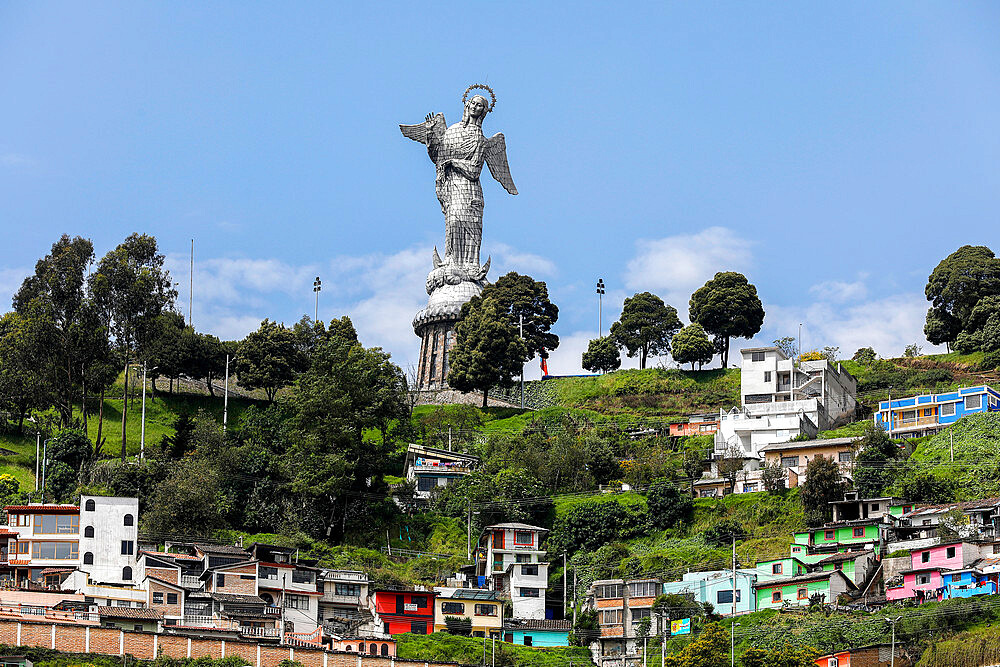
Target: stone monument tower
column 458, row 153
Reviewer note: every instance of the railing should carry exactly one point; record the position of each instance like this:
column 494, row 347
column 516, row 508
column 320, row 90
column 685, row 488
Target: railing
column 346, row 576
column 250, row 631
column 272, row 611
column 209, row 622
column 341, row 599
column 190, row 581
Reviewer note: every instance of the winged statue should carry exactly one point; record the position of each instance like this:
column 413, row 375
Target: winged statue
column 458, row 153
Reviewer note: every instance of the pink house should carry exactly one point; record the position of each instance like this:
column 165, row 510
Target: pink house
column 928, row 567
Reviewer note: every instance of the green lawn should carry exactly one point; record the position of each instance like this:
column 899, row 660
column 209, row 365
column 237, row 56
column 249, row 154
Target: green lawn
column 469, row 651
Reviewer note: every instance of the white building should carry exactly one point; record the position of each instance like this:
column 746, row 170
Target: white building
column 430, row 467
column 510, row 556
column 783, row 400
column 108, row 535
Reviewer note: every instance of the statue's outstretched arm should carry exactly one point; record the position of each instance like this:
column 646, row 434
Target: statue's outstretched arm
column 427, row 132
column 496, row 159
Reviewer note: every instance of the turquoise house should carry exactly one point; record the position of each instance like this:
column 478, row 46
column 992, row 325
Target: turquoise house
column 532, row 632
column 716, row 588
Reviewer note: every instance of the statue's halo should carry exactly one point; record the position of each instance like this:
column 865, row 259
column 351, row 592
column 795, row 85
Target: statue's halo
column 481, row 86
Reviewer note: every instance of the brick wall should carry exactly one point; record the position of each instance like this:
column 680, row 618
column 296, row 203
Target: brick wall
column 235, row 584
column 163, row 607
column 167, row 574
column 147, row 645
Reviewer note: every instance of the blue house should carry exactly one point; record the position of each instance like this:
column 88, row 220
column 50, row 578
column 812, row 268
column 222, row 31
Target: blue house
column 966, row 583
column 921, row 415
column 541, row 632
column 716, row 588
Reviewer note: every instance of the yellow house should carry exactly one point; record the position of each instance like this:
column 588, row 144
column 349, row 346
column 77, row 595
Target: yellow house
column 795, row 456
column 483, row 608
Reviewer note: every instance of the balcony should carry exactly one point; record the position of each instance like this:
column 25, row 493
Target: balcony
column 209, row 622
column 272, row 611
column 341, row 599
column 263, row 633
column 191, row 581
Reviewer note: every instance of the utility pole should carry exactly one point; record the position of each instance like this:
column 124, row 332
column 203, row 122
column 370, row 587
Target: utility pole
column 734, row 576
column 574, row 597
column 565, row 581
column 951, row 444
column 469, row 536
column 521, row 334
column 38, row 460
column 892, row 622
column 225, row 397
column 142, row 427
column 732, row 642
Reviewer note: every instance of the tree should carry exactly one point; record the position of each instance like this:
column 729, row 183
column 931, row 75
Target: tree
column 457, row 625
column 773, row 477
column 788, row 345
column 131, row 289
column 873, row 452
column 692, row 346
column 912, row 350
column 25, row 377
column 519, row 297
column 786, row 655
column 487, row 352
column 268, row 359
column 710, row 649
column 823, row 484
column 727, row 306
column 954, row 288
column 926, row 487
column 602, row 355
column 865, row 356
column 207, row 359
column 722, row 533
column 58, row 287
column 731, row 464
column 667, row 505
column 168, row 347
column 185, row 502
column 646, row 326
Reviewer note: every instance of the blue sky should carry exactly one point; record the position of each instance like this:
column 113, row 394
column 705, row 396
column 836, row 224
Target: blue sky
column 832, row 152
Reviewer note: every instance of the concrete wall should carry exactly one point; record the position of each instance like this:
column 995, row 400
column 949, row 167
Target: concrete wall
column 108, row 520
column 148, row 646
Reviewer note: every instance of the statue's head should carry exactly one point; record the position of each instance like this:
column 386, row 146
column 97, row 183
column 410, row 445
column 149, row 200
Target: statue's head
column 477, row 106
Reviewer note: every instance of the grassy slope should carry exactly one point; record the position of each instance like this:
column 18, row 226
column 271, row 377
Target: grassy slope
column 469, row 651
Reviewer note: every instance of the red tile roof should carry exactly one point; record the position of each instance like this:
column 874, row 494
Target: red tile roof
column 43, row 508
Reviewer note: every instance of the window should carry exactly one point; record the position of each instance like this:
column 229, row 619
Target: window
column 925, row 522
column 767, row 376
column 529, row 570
column 524, row 537
column 90, row 506
column 907, row 509
column 23, row 547
column 418, row 627
column 956, row 577
column 789, row 462
column 121, row 603
column 803, row 594
column 923, row 578
column 384, row 650
column 828, row 535
column 88, row 531
column 610, row 591
column 452, row 608
column 949, row 552
column 776, row 596
column 126, row 573
column 157, row 598
column 611, row 616
column 639, row 614
column 128, row 547
column 266, row 572
column 858, row 532
column 302, row 576
column 528, row 592
column 248, row 577
column 137, row 627
column 776, row 568
column 51, row 524
column 947, row 409
column 643, row 589
column 925, row 557
column 527, row 640
column 486, row 610
column 88, row 558
column 171, row 598
column 838, row 566
column 847, row 457
column 498, row 539
column 425, row 483
column 974, row 402
column 420, row 602
column 756, row 356
column 54, row 550
column 757, row 398
column 220, row 580
column 129, row 520
column 726, row 597
column 373, row 648
column 522, row 558
column 293, row 601
column 351, row 590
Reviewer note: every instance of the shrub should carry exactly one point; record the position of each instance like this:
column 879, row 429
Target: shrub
column 668, row 505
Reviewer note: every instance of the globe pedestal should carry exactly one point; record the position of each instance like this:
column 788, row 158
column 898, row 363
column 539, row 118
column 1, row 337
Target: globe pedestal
column 435, row 325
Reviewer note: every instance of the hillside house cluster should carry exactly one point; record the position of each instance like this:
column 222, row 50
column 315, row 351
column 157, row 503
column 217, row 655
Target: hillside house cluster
column 916, row 416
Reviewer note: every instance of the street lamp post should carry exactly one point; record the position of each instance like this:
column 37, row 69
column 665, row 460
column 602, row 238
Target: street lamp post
column 225, row 398
column 317, row 287
column 142, row 427
column 600, row 306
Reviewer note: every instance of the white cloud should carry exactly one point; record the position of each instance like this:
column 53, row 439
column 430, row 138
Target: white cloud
column 508, row 259
column 838, row 291
column 888, row 325
column 675, row 266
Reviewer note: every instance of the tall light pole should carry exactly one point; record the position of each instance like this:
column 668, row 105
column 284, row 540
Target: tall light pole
column 225, row 398
column 142, row 428
column 317, row 287
column 892, row 622
column 800, row 344
column 732, row 644
column 520, row 332
column 600, row 306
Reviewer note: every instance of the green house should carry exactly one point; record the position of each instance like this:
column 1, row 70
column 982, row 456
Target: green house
column 780, row 567
column 838, row 537
column 797, row 591
column 857, row 565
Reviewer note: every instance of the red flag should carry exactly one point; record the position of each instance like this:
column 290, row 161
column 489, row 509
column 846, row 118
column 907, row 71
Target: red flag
column 543, row 363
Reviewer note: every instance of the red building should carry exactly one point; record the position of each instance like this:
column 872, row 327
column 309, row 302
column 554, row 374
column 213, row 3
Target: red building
column 406, row 611
column 696, row 425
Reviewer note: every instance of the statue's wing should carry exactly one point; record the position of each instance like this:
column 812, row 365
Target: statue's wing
column 496, row 159
column 426, row 131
